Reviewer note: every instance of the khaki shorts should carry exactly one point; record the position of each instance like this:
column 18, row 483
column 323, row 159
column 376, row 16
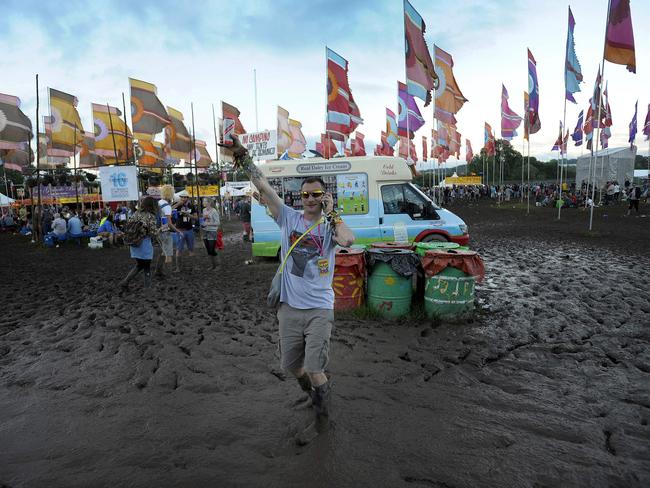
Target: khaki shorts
column 304, row 338
column 166, row 243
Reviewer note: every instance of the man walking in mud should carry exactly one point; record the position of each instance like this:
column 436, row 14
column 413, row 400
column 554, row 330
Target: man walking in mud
column 306, row 310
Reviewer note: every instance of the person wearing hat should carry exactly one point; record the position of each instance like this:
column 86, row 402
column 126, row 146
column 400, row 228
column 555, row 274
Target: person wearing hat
column 186, row 216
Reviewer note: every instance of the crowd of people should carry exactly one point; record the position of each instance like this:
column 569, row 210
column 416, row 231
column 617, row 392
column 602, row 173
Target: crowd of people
column 545, row 194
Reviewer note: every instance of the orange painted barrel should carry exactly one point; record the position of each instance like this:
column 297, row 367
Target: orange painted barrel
column 349, row 278
column 392, row 245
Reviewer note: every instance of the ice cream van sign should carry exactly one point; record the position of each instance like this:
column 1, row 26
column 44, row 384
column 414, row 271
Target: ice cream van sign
column 261, row 145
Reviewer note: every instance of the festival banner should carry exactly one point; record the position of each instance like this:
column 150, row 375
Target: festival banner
column 231, row 123
column 409, row 115
column 15, row 126
column 469, row 154
column 284, row 134
column 532, row 114
column 262, row 146
column 572, row 70
column 577, row 132
column 509, row 119
column 619, row 37
column 391, row 128
column 88, row 157
column 463, row 180
column 358, row 147
column 202, row 158
column 148, row 115
column 343, row 114
column 421, row 76
column 150, row 153
column 112, row 136
column 66, row 124
column 59, row 192
column 449, row 98
column 204, row 190
column 119, row 183
column 178, row 143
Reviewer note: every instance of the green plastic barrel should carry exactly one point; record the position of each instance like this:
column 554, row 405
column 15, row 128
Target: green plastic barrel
column 389, row 293
column 422, row 247
column 449, row 294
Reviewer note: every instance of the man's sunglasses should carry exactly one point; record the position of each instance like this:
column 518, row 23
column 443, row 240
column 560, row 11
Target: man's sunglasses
column 314, row 194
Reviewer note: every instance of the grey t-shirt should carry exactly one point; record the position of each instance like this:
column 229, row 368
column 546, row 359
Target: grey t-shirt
column 305, row 284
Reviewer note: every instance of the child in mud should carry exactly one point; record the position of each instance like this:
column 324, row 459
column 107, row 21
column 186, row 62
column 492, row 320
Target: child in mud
column 306, row 310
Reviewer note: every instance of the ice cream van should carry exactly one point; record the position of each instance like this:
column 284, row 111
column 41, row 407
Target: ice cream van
column 374, row 196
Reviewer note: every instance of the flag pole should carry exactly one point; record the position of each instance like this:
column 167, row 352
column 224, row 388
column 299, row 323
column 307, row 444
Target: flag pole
column 528, row 187
column 126, row 145
column 216, row 145
column 523, row 151
column 74, row 166
column 38, row 153
column 600, row 99
column 196, row 167
column 110, row 120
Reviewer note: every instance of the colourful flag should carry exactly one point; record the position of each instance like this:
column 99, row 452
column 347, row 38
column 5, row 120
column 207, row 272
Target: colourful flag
column 577, row 132
column 605, row 134
column 606, row 110
column 298, row 142
column 558, row 141
column 384, row 149
column 408, row 106
column 326, row 147
column 284, row 135
column 88, row 158
column 646, row 126
column 488, row 141
column 66, row 128
column 424, row 148
column 469, row 154
column 619, row 37
column 202, row 157
column 15, row 126
column 357, row 145
column 150, row 153
column 407, row 150
column 449, row 99
column 17, row 158
column 633, row 126
column 231, row 123
column 455, row 138
column 110, row 134
column 434, row 143
column 532, row 114
column 421, row 76
column 343, row 115
column 565, row 140
column 148, row 115
column 391, row 128
column 178, row 142
column 572, row 70
column 526, row 118
column 509, row 119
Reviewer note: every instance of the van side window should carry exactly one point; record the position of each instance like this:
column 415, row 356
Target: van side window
column 402, row 199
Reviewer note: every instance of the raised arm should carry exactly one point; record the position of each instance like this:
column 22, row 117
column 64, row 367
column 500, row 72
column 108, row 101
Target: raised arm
column 244, row 161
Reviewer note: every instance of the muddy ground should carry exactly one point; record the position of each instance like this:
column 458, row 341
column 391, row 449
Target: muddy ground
column 547, row 386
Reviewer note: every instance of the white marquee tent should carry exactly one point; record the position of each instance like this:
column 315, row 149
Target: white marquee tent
column 613, row 164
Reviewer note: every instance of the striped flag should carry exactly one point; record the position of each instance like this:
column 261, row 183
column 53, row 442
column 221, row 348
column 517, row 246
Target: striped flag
column 577, row 132
column 421, row 76
column 15, row 126
column 572, row 70
column 66, row 128
column 111, row 134
column 509, row 119
column 148, row 115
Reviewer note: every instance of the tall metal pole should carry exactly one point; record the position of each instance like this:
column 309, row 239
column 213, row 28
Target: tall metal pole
column 110, row 120
column 528, row 187
column 216, row 145
column 38, row 150
column 600, row 98
column 196, row 169
column 74, row 166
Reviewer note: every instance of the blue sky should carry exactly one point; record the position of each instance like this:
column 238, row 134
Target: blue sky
column 204, row 52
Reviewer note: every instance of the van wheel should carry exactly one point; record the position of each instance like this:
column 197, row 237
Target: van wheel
column 434, row 238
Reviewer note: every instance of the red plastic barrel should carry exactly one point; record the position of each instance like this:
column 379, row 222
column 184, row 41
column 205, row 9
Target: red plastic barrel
column 349, row 278
column 393, row 245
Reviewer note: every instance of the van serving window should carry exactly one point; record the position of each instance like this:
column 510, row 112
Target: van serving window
column 350, row 191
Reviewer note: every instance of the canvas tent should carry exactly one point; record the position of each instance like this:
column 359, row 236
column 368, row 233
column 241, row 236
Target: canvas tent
column 5, row 201
column 614, row 164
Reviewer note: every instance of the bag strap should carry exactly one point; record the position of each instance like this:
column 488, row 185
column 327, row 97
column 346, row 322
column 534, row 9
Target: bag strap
column 284, row 261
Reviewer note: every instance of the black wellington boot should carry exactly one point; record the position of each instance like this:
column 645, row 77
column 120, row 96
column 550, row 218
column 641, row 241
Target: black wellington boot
column 321, row 399
column 124, row 284
column 147, row 279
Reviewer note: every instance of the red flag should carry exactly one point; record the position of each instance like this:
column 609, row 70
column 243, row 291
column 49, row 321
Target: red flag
column 358, row 146
column 469, row 154
column 424, row 148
